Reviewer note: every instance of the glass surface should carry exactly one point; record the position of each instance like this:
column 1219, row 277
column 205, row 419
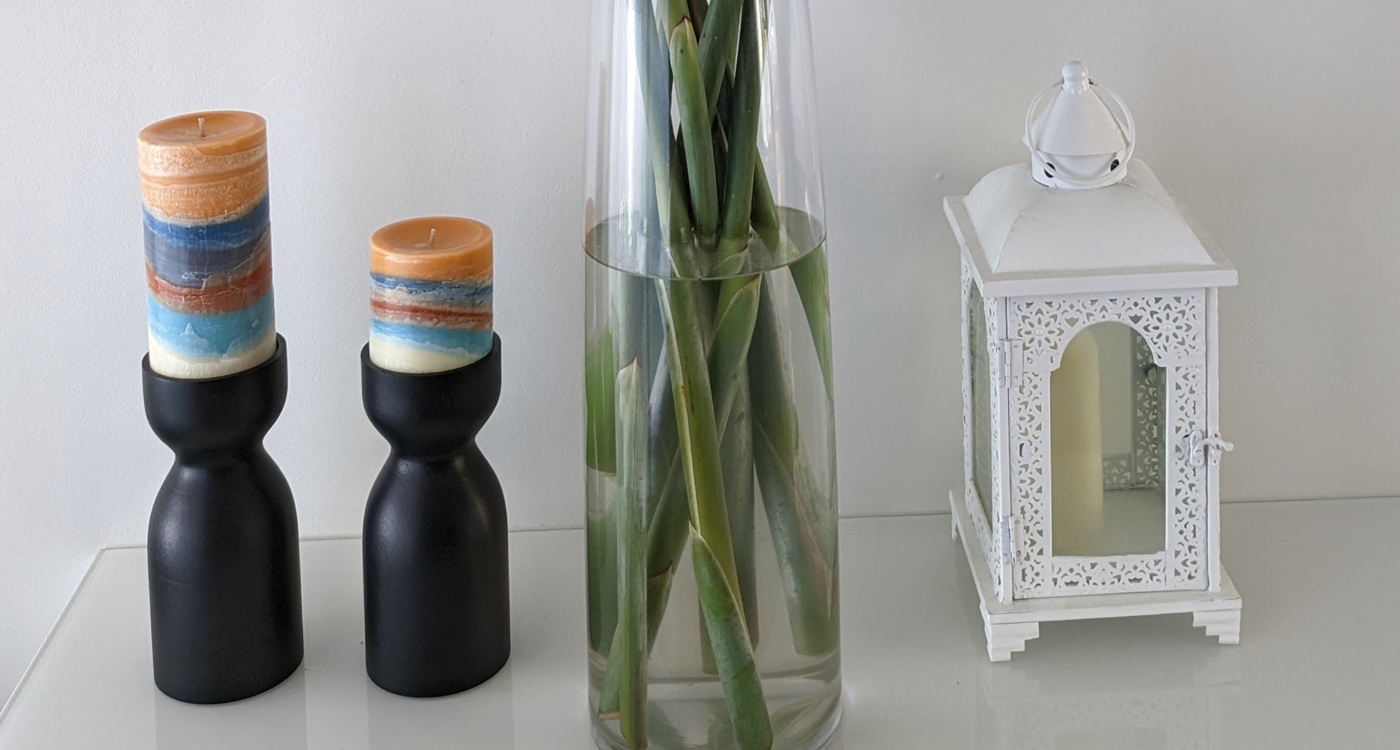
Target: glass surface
column 914, row 661
column 713, row 585
column 1130, row 518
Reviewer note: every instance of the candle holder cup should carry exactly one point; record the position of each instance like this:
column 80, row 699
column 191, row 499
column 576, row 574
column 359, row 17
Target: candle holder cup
column 437, row 593
column 224, row 566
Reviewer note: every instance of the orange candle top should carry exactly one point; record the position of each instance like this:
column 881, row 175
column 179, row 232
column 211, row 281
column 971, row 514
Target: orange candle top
column 433, row 248
column 203, row 167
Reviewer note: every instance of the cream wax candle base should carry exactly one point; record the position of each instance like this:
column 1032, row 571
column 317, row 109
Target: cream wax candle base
column 174, row 365
column 394, row 356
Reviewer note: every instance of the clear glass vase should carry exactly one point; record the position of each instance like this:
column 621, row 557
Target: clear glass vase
column 713, row 587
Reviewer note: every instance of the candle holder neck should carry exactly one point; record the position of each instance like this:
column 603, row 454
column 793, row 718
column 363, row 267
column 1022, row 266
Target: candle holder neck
column 208, row 419
column 434, row 414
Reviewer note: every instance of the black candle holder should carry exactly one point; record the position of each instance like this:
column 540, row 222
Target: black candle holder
column 222, row 555
column 437, row 584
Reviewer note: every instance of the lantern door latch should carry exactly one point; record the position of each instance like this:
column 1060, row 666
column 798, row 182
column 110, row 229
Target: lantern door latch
column 1199, row 450
column 1009, row 359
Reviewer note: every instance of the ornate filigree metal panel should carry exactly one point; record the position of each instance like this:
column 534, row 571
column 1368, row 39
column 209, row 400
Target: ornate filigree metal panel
column 1118, row 472
column 1030, row 477
column 988, row 541
column 1186, row 501
column 1173, row 326
column 1148, row 404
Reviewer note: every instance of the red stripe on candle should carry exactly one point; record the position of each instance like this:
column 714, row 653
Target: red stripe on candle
column 395, row 312
column 214, row 299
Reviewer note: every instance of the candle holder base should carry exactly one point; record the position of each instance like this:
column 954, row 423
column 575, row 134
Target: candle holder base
column 437, row 593
column 223, row 561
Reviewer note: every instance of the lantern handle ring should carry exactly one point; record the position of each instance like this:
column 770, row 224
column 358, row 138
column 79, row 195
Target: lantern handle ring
column 1127, row 126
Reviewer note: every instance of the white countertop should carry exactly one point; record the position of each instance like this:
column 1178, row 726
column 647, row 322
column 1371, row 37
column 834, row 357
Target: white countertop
column 1319, row 666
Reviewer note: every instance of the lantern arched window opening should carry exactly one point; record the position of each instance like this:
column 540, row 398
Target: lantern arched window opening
column 1107, row 495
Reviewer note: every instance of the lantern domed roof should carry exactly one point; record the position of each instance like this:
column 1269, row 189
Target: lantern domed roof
column 1024, row 238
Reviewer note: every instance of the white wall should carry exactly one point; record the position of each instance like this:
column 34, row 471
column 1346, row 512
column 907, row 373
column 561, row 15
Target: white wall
column 1275, row 121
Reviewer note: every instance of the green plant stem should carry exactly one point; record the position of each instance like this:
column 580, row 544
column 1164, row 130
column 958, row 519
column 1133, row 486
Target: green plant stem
column 602, row 580
column 808, row 581
column 695, row 420
column 727, row 365
column 737, row 447
column 724, row 621
column 719, row 39
column 653, row 60
column 600, row 440
column 808, row 273
column 729, row 373
column 743, row 150
column 601, row 457
column 739, row 296
column 666, row 536
column 631, row 639
column 695, row 128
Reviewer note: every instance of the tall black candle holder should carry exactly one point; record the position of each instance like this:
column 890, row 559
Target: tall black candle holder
column 224, row 567
column 437, row 586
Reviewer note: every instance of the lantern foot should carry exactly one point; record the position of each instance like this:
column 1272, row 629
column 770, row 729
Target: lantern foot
column 1005, row 639
column 1222, row 623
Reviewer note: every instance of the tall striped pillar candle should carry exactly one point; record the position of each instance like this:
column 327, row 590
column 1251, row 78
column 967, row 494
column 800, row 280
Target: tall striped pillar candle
column 430, row 294
column 208, row 244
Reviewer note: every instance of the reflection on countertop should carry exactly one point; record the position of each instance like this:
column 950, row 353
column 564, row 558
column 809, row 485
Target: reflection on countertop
column 1315, row 669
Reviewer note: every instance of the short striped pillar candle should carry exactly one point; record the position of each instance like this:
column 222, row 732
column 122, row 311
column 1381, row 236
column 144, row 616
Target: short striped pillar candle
column 208, row 244
column 430, row 294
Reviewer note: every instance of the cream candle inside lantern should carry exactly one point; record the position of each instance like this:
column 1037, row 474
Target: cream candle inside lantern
column 1076, row 446
column 208, row 244
column 430, row 294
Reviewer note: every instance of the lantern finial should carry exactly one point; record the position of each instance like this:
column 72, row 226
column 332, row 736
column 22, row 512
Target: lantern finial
column 1076, row 140
column 1076, row 76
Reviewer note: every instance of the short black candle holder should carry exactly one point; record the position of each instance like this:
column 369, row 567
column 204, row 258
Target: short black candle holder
column 437, row 584
column 222, row 556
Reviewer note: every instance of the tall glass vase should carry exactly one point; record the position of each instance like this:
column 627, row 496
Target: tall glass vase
column 713, row 587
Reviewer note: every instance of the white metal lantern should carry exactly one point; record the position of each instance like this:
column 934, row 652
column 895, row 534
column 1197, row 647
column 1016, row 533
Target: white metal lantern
column 1086, row 286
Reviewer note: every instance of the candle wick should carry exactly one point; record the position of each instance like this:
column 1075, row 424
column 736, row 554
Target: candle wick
column 201, row 127
column 432, row 236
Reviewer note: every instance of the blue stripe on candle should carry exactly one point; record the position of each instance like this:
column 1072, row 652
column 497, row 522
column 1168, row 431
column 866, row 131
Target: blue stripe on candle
column 210, row 336
column 183, row 265
column 452, row 340
column 213, row 235
column 467, row 293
